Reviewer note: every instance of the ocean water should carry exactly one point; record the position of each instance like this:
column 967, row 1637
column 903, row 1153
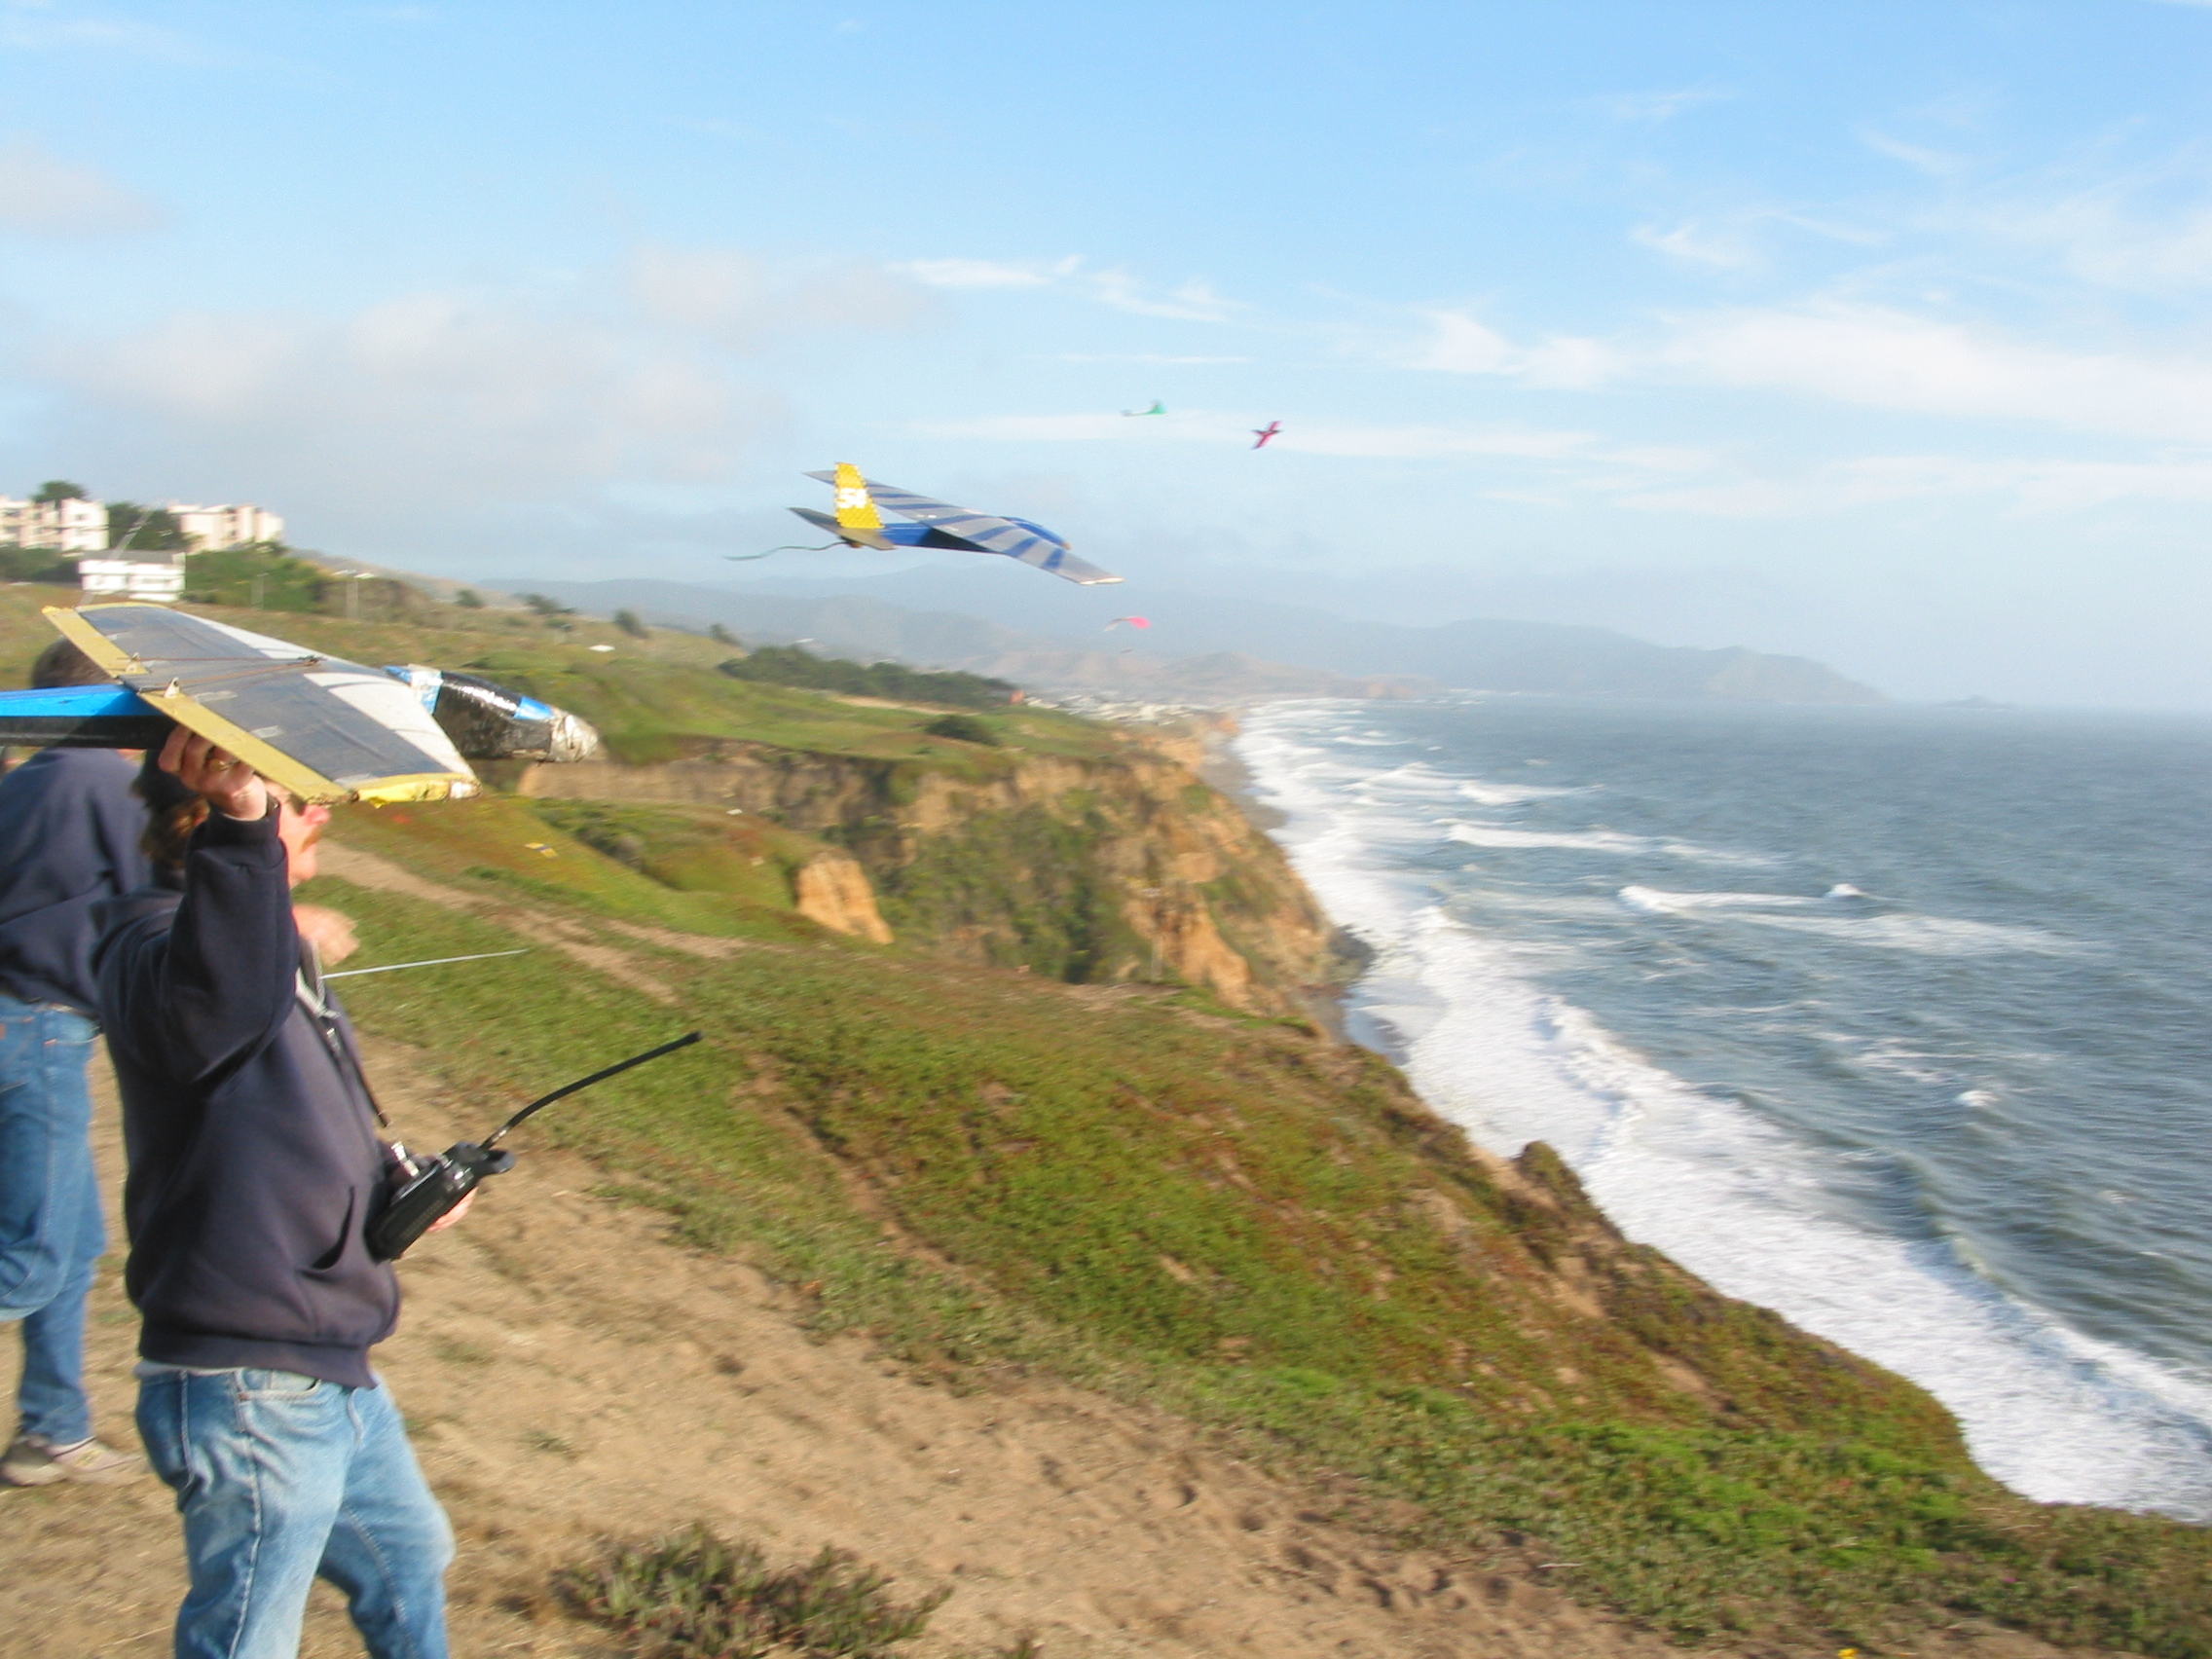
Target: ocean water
column 1898, row 1021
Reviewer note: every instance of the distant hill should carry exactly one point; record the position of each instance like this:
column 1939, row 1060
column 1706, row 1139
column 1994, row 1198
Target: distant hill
column 854, row 625
column 1047, row 634
column 1493, row 655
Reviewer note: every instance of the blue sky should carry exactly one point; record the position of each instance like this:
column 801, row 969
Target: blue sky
column 1876, row 332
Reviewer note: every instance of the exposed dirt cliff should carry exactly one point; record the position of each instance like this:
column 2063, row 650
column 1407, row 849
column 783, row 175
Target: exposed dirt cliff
column 1120, row 867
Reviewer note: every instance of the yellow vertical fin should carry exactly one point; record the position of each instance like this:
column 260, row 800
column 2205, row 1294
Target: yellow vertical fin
column 856, row 509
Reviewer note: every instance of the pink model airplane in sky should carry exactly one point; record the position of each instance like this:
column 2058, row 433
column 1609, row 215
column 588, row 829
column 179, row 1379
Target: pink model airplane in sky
column 1264, row 433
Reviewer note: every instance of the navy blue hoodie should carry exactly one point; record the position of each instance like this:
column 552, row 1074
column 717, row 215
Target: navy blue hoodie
column 254, row 1157
column 70, row 830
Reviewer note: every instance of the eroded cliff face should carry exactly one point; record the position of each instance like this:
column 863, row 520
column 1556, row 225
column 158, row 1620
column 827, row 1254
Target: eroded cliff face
column 1101, row 870
column 831, row 889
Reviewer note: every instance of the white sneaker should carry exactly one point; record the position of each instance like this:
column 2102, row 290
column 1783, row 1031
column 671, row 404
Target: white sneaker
column 33, row 1460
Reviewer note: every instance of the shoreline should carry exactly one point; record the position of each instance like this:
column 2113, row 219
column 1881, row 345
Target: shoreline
column 1972, row 1346
column 1223, row 769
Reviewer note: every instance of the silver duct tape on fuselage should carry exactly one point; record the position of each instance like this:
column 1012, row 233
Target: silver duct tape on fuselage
column 574, row 738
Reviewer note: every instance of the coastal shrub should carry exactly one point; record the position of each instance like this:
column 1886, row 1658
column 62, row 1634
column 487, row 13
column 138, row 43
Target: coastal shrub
column 963, row 729
column 1025, row 886
column 793, row 665
column 264, row 577
column 694, row 1596
column 36, row 565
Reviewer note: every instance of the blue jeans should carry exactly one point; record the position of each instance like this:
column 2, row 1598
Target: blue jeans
column 281, row 1478
column 51, row 1231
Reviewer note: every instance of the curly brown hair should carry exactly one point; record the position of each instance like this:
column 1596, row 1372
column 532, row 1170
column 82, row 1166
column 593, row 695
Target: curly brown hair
column 169, row 831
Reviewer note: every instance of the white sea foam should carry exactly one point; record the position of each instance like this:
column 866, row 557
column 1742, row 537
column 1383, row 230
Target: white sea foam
column 1658, row 901
column 1478, row 834
column 2054, row 1413
column 1581, row 840
column 1506, row 795
column 1925, row 936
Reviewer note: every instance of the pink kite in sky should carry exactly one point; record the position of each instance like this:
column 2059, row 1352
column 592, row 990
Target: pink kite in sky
column 1264, row 433
column 1132, row 621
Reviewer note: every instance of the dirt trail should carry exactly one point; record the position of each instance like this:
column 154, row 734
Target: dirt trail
column 570, row 1374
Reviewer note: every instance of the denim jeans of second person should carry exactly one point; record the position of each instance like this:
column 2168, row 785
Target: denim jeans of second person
column 281, row 1478
column 51, row 1232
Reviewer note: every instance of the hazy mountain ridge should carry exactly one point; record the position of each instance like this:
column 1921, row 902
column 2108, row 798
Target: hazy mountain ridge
column 857, row 625
column 1049, row 636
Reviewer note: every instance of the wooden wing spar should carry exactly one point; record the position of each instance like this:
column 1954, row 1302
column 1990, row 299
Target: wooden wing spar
column 325, row 729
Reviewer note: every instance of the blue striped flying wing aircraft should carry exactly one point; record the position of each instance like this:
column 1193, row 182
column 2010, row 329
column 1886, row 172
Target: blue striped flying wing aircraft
column 325, row 729
column 857, row 523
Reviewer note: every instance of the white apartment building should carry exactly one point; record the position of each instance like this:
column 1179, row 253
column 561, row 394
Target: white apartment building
column 81, row 527
column 72, row 526
column 227, row 526
column 121, row 579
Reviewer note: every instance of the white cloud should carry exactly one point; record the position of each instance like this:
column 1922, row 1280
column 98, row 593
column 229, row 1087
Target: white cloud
column 740, row 299
column 1129, row 357
column 2035, row 485
column 33, row 25
column 988, row 273
column 1858, row 234
column 1434, row 442
column 1871, row 355
column 1461, row 345
column 1937, row 164
column 1559, row 467
column 43, row 195
column 1087, row 428
column 435, row 419
column 1658, row 105
column 441, row 397
column 1892, row 360
column 1688, row 242
column 1339, row 438
column 1193, row 301
column 2118, row 234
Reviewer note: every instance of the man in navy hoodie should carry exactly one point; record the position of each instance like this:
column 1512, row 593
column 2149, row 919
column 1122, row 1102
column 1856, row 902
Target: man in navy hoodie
column 69, row 830
column 255, row 1166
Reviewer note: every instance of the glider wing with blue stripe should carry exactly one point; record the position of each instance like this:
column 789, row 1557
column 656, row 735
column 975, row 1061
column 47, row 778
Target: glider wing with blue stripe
column 986, row 532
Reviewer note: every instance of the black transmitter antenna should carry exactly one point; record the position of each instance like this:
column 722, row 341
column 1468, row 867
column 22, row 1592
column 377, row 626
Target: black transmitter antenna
column 424, row 1191
column 566, row 1090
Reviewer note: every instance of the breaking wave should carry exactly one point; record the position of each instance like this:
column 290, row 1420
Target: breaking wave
column 1751, row 1208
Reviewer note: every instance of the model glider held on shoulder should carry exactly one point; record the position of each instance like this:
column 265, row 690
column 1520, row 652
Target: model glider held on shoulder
column 1264, row 433
column 1158, row 408
column 859, row 523
column 324, row 728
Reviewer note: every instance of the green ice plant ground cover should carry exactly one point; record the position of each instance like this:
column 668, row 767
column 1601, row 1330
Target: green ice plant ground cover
column 1145, row 1194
